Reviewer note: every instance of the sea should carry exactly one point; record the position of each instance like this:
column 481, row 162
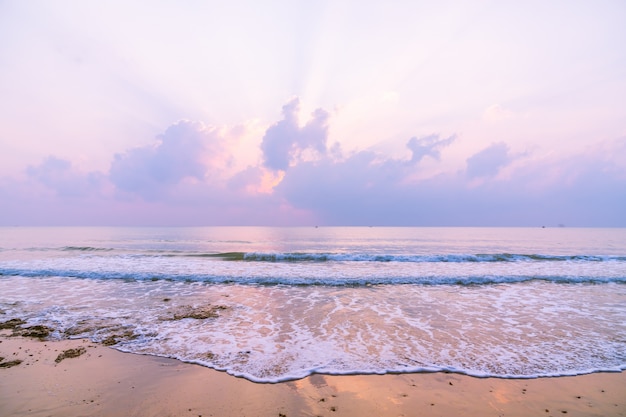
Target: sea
column 274, row 304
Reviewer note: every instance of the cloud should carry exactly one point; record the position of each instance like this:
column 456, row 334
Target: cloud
column 285, row 140
column 427, row 146
column 187, row 150
column 187, row 176
column 363, row 189
column 59, row 175
column 489, row 161
column 587, row 190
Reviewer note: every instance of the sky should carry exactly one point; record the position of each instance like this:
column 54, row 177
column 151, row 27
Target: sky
column 300, row 113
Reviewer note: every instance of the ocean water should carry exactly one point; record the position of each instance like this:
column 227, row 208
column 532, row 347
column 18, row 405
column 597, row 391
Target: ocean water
column 275, row 304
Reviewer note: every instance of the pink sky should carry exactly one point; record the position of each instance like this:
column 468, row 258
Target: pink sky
column 326, row 113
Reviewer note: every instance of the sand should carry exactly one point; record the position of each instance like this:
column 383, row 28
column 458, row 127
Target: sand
column 94, row 380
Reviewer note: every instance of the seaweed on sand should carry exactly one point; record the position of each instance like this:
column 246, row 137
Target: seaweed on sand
column 197, row 313
column 70, row 353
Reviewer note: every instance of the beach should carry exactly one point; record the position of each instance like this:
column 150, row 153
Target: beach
column 312, row 322
column 101, row 381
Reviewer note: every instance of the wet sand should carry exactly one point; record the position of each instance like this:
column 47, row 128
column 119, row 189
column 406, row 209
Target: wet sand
column 78, row 378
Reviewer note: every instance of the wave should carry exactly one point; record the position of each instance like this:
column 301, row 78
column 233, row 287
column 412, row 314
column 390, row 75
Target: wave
column 396, row 371
column 320, row 257
column 368, row 257
column 400, row 369
column 335, row 281
column 86, row 249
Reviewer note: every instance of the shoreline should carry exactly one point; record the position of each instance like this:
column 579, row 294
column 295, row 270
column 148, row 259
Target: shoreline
column 96, row 380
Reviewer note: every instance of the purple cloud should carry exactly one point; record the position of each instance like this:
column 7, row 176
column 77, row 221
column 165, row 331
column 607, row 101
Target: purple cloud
column 58, row 174
column 427, row 146
column 181, row 152
column 488, row 162
column 285, row 140
column 587, row 190
column 184, row 178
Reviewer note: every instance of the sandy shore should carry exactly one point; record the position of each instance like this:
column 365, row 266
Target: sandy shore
column 101, row 381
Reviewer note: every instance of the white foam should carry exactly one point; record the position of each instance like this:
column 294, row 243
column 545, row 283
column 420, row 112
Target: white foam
column 277, row 333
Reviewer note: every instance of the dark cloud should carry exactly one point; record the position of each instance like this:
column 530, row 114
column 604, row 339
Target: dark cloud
column 427, row 146
column 489, row 161
column 285, row 140
column 181, row 152
column 59, row 175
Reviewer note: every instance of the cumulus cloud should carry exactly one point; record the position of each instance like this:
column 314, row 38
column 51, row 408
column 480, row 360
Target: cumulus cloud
column 489, row 161
column 185, row 178
column 184, row 151
column 285, row 140
column 427, row 146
